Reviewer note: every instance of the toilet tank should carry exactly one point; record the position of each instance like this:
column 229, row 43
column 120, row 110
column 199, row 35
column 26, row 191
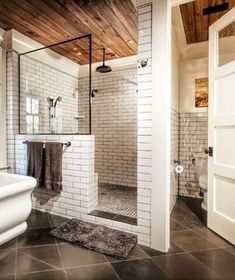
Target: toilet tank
column 201, row 166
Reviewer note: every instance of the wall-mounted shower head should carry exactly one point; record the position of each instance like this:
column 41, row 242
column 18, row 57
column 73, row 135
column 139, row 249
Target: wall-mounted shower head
column 58, row 99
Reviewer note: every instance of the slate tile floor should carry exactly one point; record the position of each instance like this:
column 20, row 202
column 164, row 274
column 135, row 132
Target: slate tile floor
column 195, row 253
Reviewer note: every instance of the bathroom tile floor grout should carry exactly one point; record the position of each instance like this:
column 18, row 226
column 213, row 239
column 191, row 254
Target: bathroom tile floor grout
column 195, row 253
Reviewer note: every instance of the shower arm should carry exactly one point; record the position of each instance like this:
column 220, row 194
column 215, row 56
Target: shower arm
column 103, row 56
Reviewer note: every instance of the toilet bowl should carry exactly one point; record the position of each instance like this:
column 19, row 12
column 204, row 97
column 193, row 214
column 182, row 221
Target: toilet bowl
column 201, row 161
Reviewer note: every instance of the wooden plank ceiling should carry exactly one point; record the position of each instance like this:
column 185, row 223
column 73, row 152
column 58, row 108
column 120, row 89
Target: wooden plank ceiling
column 113, row 24
column 196, row 25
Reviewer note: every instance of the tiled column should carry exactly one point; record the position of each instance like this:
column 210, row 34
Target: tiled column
column 144, row 124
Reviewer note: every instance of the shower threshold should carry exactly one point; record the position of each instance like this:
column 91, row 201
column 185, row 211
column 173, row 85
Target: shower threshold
column 117, row 203
column 114, row 217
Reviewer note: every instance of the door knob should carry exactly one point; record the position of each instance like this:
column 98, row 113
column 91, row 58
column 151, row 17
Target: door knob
column 209, row 151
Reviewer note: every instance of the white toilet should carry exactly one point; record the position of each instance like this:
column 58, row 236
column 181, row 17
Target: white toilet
column 201, row 161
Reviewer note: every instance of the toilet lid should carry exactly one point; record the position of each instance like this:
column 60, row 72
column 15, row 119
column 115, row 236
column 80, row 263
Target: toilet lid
column 203, row 179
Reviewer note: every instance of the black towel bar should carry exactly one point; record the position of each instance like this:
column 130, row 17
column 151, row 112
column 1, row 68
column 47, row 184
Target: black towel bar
column 66, row 144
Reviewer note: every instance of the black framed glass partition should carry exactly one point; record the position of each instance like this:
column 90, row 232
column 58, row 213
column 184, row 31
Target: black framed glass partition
column 50, row 101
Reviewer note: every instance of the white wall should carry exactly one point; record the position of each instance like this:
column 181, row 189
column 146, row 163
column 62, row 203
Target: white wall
column 189, row 71
column 175, row 76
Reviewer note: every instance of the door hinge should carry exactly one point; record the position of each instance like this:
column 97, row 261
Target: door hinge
column 209, row 151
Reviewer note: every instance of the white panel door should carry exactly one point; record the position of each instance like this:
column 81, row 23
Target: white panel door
column 221, row 169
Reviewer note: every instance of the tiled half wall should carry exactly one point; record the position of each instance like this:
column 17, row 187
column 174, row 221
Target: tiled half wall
column 80, row 184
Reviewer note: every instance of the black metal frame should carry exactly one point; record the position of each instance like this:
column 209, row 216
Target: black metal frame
column 89, row 36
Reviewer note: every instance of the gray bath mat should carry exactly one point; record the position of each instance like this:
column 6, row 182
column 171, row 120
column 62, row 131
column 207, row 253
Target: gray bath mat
column 96, row 237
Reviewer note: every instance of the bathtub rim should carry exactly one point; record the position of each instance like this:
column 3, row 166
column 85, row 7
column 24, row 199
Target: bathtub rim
column 22, row 184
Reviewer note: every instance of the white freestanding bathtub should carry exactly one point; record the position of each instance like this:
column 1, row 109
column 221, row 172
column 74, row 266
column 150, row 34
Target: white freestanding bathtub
column 15, row 204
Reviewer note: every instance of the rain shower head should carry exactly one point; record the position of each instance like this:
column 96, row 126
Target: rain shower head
column 103, row 68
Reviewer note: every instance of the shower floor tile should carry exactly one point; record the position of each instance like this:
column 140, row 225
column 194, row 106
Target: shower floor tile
column 116, row 199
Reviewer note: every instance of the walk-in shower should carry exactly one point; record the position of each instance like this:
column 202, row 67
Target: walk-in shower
column 49, row 100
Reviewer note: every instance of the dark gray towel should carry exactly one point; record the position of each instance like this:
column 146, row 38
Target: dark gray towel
column 53, row 166
column 35, row 161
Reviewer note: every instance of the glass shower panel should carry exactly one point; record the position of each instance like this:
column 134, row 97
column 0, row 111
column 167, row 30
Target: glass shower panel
column 50, row 99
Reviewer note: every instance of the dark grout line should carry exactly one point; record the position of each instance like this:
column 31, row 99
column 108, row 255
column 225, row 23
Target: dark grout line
column 43, row 245
column 41, row 271
column 114, row 271
column 41, row 261
column 16, row 256
column 204, row 265
column 168, row 276
column 86, row 265
column 129, row 260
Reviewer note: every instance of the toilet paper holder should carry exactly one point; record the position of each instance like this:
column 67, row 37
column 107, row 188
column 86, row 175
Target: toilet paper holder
column 176, row 162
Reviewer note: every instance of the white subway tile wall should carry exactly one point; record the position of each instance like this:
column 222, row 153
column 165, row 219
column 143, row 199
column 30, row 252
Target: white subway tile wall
column 193, row 140
column 114, row 124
